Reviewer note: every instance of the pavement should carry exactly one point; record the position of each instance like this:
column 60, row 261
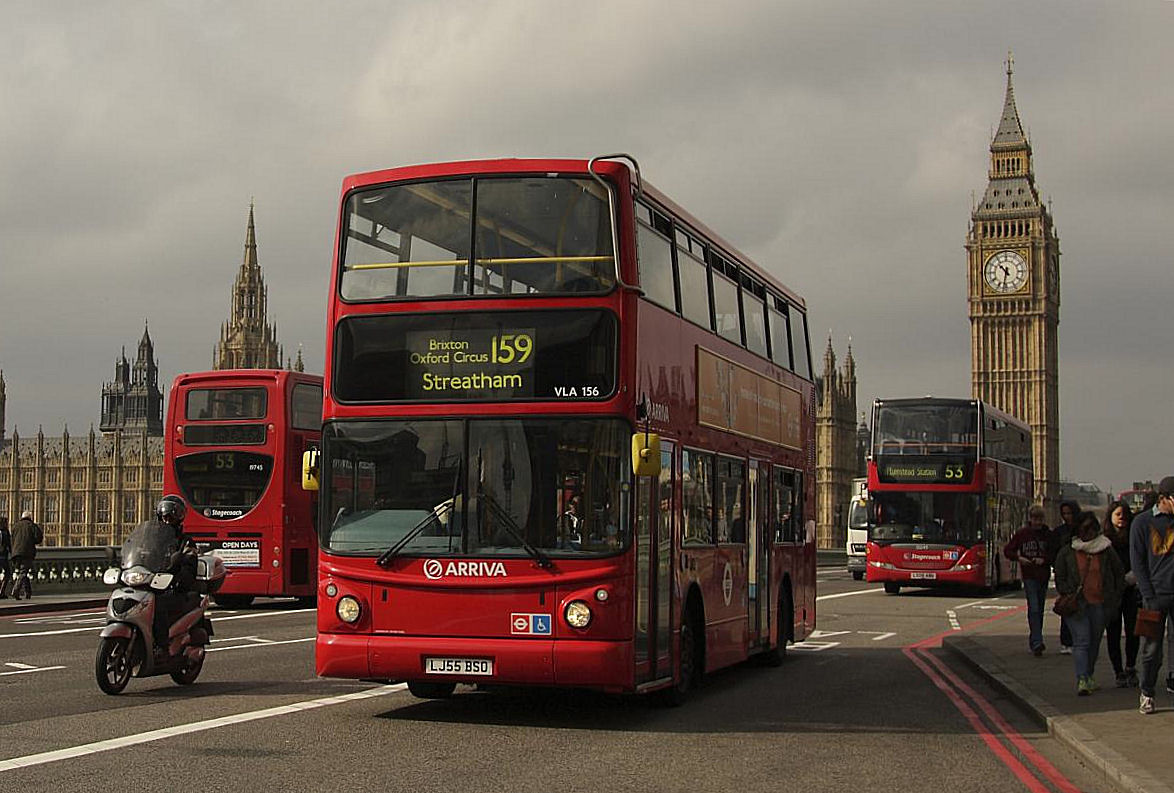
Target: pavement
column 54, row 601
column 1104, row 729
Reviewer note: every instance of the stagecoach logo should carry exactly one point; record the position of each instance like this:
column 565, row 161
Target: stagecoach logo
column 434, row 569
column 217, row 512
column 924, row 557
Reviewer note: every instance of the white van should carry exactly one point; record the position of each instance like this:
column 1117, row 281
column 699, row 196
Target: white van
column 857, row 541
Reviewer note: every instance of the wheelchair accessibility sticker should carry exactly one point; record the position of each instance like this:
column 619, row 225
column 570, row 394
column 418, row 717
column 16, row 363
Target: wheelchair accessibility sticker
column 530, row 624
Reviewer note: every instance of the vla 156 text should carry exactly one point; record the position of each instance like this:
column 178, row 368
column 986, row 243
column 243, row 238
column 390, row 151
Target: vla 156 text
column 576, row 391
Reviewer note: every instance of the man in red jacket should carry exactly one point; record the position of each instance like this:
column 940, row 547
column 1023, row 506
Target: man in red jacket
column 1029, row 547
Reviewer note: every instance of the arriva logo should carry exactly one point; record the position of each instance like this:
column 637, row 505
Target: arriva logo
column 434, row 569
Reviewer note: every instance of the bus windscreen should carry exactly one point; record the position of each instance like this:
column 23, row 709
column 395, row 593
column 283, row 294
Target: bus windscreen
column 926, row 429
column 491, row 356
column 479, row 487
column 486, row 236
column 927, row 517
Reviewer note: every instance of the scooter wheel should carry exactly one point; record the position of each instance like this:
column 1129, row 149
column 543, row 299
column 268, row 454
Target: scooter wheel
column 113, row 665
column 187, row 674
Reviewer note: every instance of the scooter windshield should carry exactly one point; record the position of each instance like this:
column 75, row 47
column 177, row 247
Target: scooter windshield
column 150, row 545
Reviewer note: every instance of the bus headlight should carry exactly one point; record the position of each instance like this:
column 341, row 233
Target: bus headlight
column 577, row 614
column 348, row 610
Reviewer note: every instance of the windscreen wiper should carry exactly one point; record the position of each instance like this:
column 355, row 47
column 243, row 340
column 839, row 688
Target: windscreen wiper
column 394, row 550
column 512, row 529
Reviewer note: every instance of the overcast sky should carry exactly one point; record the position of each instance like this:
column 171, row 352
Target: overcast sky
column 837, row 143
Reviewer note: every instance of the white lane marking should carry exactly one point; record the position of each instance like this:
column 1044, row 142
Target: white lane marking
column 818, row 634
column 968, row 605
column 813, row 647
column 82, row 750
column 836, row 595
column 954, row 625
column 214, row 619
column 882, row 637
column 255, row 646
column 995, row 607
column 33, row 669
column 42, row 619
column 15, row 665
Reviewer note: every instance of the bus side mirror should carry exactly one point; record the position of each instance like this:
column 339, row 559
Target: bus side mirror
column 645, row 454
column 310, row 469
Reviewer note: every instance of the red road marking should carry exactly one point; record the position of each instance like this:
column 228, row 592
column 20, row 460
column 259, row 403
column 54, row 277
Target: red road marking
column 950, row 684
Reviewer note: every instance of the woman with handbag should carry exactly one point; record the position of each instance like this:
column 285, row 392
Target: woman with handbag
column 1090, row 579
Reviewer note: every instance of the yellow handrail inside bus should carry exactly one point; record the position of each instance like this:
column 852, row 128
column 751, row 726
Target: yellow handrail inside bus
column 451, row 262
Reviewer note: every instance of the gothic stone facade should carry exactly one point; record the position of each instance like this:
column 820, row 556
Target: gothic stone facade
column 836, row 448
column 87, row 491
column 1013, row 284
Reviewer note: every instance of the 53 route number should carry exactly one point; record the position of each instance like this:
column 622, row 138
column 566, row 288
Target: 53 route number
column 955, row 472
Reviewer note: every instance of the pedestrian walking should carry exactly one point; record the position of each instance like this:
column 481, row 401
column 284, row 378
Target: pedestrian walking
column 1089, row 568
column 5, row 551
column 1061, row 536
column 1029, row 547
column 26, row 536
column 1118, row 518
column 1151, row 552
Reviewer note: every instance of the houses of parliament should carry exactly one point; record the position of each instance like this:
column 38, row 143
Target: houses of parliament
column 94, row 488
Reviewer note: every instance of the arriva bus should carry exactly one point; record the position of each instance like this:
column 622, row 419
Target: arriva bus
column 950, row 481
column 234, row 442
column 856, row 544
column 567, row 436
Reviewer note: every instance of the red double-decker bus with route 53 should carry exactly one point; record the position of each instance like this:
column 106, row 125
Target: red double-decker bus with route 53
column 234, row 442
column 543, row 464
column 950, row 480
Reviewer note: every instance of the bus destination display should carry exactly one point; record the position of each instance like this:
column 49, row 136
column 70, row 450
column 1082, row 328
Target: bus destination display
column 490, row 356
column 942, row 471
column 451, row 365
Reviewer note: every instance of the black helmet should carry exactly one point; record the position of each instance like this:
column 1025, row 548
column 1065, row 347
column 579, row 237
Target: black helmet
column 171, row 509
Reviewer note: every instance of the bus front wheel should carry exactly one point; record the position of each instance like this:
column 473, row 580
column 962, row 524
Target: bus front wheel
column 892, row 588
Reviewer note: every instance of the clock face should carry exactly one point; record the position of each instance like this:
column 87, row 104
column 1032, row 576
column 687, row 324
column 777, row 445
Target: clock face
column 1005, row 272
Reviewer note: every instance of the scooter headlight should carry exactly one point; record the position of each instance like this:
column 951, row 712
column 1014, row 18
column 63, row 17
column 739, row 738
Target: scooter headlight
column 136, row 576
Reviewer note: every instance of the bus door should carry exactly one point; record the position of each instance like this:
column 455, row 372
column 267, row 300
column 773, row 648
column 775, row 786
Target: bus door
column 759, row 553
column 654, row 542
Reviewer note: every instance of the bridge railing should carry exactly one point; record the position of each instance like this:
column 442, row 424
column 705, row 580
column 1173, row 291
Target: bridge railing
column 74, row 568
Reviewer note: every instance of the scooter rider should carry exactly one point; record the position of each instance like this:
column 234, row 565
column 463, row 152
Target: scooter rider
column 172, row 603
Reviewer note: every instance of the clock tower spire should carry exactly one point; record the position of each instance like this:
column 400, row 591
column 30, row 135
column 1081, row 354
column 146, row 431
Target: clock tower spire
column 1013, row 286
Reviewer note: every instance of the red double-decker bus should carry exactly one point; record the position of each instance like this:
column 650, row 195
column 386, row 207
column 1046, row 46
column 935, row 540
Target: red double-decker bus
column 568, row 436
column 234, row 442
column 950, row 482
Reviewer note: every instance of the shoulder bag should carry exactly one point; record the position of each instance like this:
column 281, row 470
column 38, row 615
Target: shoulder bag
column 1069, row 604
column 1148, row 624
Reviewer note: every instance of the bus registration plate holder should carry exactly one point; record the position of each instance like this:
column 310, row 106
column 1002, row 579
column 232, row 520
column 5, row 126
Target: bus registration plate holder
column 458, row 666
column 923, row 576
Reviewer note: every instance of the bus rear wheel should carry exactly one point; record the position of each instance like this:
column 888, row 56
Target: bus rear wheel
column 429, row 690
column 892, row 588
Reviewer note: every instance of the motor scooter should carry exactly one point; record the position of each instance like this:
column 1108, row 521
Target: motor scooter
column 127, row 645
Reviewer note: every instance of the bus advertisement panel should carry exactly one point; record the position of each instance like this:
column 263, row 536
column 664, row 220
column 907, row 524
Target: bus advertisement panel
column 543, row 463
column 233, row 444
column 950, row 480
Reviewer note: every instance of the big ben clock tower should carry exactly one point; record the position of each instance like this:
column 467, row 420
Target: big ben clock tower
column 1013, row 284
